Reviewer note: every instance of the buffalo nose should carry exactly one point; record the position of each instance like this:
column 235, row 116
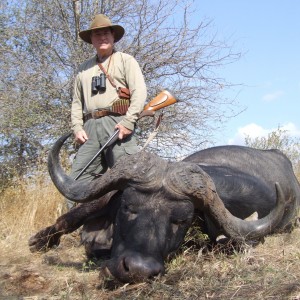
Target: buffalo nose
column 140, row 268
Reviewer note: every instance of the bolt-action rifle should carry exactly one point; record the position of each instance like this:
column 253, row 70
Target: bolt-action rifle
column 163, row 99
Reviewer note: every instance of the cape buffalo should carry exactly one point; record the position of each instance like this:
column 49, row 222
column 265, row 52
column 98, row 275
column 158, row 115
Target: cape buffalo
column 140, row 210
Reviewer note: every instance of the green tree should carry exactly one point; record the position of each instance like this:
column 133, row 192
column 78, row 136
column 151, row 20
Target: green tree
column 281, row 140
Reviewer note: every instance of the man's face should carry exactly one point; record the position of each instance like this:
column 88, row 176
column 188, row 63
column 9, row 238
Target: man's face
column 103, row 41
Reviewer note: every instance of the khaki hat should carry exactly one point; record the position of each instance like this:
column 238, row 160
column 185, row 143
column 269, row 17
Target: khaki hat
column 102, row 21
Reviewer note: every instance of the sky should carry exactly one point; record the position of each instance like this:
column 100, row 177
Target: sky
column 267, row 32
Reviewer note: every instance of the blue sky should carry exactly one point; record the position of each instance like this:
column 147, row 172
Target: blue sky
column 267, row 32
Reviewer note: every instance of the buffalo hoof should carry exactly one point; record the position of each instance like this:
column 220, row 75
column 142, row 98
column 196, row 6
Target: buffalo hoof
column 44, row 240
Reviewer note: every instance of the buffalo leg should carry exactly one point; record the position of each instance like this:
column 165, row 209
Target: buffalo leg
column 49, row 237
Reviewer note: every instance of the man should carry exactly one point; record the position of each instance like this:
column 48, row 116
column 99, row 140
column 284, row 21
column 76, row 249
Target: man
column 97, row 108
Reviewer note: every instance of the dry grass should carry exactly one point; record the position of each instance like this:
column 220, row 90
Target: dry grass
column 268, row 271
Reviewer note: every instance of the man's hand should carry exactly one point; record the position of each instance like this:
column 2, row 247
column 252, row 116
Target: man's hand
column 81, row 137
column 124, row 132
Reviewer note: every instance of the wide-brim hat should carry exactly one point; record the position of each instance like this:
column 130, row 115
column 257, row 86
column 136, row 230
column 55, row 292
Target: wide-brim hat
column 102, row 21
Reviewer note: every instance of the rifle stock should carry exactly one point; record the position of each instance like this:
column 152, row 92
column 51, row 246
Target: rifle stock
column 163, row 99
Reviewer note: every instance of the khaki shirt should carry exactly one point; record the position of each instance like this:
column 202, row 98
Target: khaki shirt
column 125, row 71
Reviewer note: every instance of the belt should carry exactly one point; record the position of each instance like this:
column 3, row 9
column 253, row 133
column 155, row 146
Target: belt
column 96, row 114
column 119, row 108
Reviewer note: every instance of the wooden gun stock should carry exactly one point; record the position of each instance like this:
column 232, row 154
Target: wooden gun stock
column 163, row 99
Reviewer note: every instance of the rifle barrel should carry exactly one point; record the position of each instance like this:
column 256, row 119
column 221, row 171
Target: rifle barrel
column 111, row 140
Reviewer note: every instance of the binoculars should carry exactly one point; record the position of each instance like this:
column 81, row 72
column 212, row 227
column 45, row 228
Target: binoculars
column 99, row 83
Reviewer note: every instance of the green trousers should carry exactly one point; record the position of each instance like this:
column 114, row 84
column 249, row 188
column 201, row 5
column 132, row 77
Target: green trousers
column 98, row 132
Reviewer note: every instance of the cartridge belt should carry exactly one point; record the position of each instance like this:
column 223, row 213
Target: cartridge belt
column 96, row 114
column 119, row 108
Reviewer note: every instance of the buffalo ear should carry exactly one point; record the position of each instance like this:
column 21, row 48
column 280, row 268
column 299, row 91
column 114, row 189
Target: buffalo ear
column 252, row 217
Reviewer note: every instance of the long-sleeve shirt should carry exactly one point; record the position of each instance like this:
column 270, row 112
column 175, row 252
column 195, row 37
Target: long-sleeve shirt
column 125, row 71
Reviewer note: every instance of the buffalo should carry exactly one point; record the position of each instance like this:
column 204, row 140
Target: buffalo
column 139, row 211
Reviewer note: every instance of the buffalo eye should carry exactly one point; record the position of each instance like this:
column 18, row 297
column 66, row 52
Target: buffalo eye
column 181, row 216
column 176, row 224
column 179, row 222
column 129, row 212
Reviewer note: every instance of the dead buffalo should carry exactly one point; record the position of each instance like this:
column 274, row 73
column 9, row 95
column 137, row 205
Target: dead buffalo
column 140, row 210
